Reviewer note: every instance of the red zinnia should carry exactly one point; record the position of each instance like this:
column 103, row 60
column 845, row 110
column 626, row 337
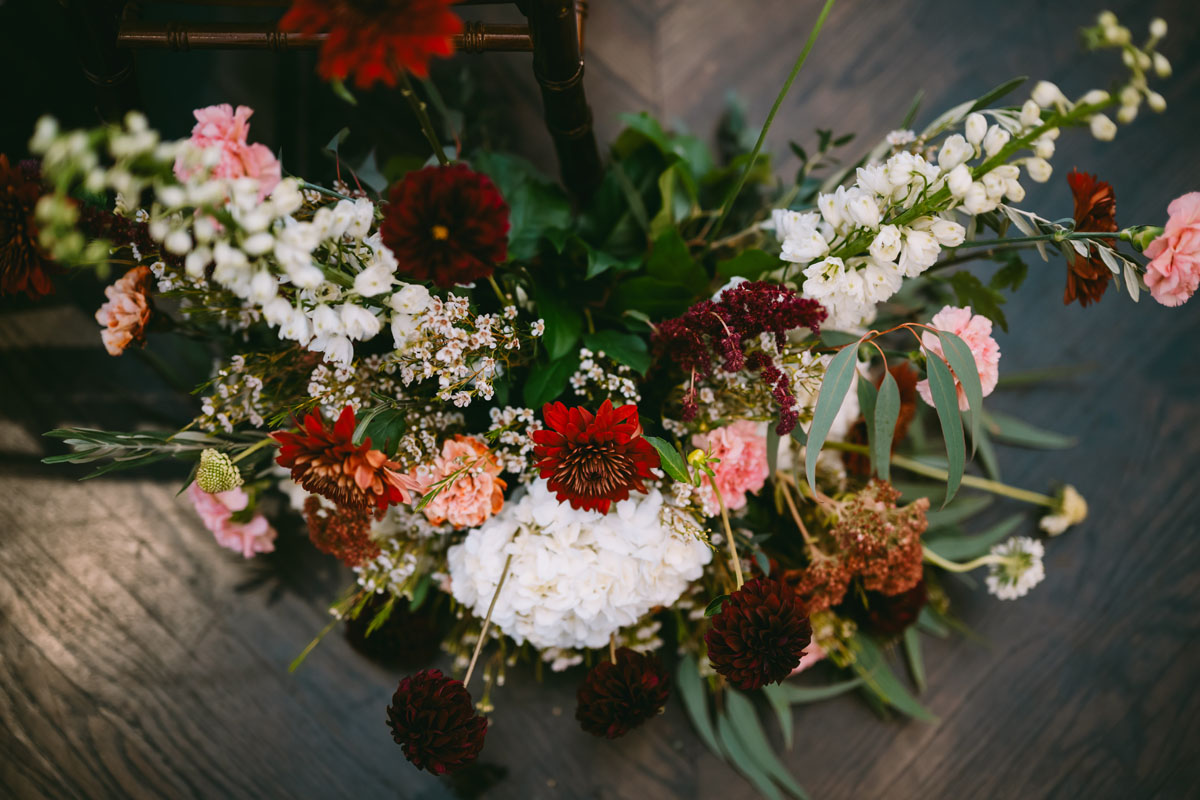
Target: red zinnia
column 328, row 463
column 23, row 264
column 1095, row 210
column 375, row 40
column 759, row 636
column 446, row 224
column 617, row 696
column 434, row 721
column 593, row 460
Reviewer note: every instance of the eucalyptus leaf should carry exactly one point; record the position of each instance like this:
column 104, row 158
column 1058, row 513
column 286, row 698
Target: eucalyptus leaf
column 695, row 701
column 866, row 403
column 879, row 679
column 1132, row 283
column 945, row 400
column 776, row 694
column 960, row 510
column 912, row 650
column 887, row 412
column 962, row 361
column 811, row 694
column 748, row 729
column 958, row 548
column 1010, row 430
column 838, row 377
column 741, row 760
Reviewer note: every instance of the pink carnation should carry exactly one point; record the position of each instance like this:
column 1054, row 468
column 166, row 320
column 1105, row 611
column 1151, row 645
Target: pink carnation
column 222, row 127
column 474, row 495
column 1174, row 270
column 742, row 468
column 976, row 331
column 217, row 510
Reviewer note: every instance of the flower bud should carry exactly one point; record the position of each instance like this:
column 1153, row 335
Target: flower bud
column 1044, row 147
column 975, row 128
column 959, row 180
column 1014, row 191
column 1069, row 509
column 1039, row 169
column 1095, row 97
column 995, row 140
column 217, row 473
column 1158, row 27
column 976, row 200
column 1031, row 114
column 1162, row 67
column 1117, row 34
column 1156, row 102
column 1047, row 94
column 955, row 151
column 1106, row 19
column 1126, row 114
column 1103, row 128
column 1141, row 236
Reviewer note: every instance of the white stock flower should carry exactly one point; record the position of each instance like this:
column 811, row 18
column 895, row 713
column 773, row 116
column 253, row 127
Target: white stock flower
column 286, row 197
column 263, row 288
column 975, row 128
column 1031, row 114
column 358, row 323
column 337, row 349
column 920, row 252
column 955, row 150
column 863, row 209
column 976, row 200
column 948, row 233
column 375, row 279
column 576, row 577
column 886, row 245
column 404, row 330
column 259, row 244
column 297, row 328
column 874, row 178
column 830, row 206
column 880, row 281
column 413, row 298
column 277, row 311
column 325, row 321
column 361, row 217
column 959, row 180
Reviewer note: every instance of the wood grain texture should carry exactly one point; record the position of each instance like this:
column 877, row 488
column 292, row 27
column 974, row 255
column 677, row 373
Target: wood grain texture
column 139, row 660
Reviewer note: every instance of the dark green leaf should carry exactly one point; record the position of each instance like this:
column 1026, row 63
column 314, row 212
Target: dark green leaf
column 960, row 548
column 420, row 592
column 962, row 361
column 748, row 730
column 1010, row 430
column 536, row 204
column 624, row 348
column 961, row 509
column 772, row 451
column 764, row 563
column 945, row 400
column 1000, row 91
column 563, row 323
column 658, row 299
column 887, row 412
column 695, row 701
column 838, row 376
column 866, row 404
column 671, row 261
column 971, row 291
column 339, row 88
column 912, row 650
column 878, row 678
column 381, row 616
column 600, row 262
column 672, row 463
column 715, row 605
column 931, row 623
column 986, row 452
column 1011, row 275
column 749, row 264
column 742, row 761
column 832, row 338
column 548, row 380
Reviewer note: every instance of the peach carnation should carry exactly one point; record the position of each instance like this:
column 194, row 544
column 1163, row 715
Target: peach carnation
column 125, row 314
column 217, row 510
column 474, row 495
column 742, row 468
column 976, row 331
column 1174, row 270
column 224, row 128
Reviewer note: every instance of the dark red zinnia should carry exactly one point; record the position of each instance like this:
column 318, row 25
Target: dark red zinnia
column 375, row 40
column 326, row 461
column 24, row 267
column 1095, row 210
column 759, row 636
column 446, row 224
column 616, row 697
column 591, row 460
column 434, row 721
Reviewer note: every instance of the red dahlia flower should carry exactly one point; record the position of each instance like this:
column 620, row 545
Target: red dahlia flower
column 593, row 460
column 446, row 224
column 1095, row 210
column 375, row 40
column 434, row 721
column 328, row 463
column 759, row 636
column 616, row 697
column 23, row 264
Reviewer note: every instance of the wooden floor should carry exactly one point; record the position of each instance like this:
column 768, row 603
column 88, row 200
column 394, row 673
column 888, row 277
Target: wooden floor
column 137, row 659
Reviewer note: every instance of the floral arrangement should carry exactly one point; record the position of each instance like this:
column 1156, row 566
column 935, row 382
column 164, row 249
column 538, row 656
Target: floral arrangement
column 705, row 413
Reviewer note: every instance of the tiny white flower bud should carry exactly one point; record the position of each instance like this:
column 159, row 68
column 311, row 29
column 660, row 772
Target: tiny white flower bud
column 1130, row 96
column 948, row 233
column 1047, row 94
column 1039, row 169
column 1014, row 191
column 1043, row 147
column 259, row 244
column 1103, row 128
column 44, row 134
column 1031, row 114
column 1095, row 97
column 959, row 180
column 135, row 122
column 976, row 200
column 1158, row 27
column 178, row 242
column 1126, row 114
column 1162, row 67
column 1106, row 19
column 1156, row 102
column 1117, row 34
column 955, row 151
column 995, row 140
column 975, row 128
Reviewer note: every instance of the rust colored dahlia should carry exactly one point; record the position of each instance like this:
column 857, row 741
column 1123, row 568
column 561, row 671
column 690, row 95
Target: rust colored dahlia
column 759, row 636
column 446, row 224
column 433, row 720
column 616, row 697
column 1095, row 210
column 24, row 267
column 341, row 531
column 375, row 41
column 327, row 462
column 591, row 460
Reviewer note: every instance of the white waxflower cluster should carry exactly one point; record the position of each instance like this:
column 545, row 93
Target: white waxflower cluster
column 1018, row 568
column 600, row 377
column 512, row 444
column 391, row 571
column 402, row 522
column 576, row 577
column 441, row 338
column 236, row 398
column 334, row 386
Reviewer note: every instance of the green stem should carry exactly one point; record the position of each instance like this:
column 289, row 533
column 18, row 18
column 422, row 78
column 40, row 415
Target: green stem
column 322, row 190
column 418, row 107
column 1058, row 236
column 954, row 566
column 733, row 553
column 912, row 465
column 266, row 440
column 732, row 195
column 487, row 621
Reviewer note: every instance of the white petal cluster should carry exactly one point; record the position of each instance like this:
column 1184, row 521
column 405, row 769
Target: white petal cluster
column 576, row 576
column 1019, row 570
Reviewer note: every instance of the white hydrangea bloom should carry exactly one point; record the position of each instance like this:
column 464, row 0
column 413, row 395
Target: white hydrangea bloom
column 576, row 576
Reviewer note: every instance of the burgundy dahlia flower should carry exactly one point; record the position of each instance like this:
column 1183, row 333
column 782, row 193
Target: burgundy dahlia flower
column 759, row 636
column 616, row 697
column 434, row 721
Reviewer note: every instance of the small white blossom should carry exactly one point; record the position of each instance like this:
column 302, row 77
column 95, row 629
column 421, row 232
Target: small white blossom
column 1019, row 571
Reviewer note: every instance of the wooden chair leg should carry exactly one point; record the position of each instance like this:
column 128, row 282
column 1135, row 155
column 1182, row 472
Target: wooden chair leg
column 558, row 67
column 92, row 27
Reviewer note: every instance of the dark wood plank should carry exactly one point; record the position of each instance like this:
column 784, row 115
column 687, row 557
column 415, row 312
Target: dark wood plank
column 138, row 659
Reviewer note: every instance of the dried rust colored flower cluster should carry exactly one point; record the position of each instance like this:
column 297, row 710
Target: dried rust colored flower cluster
column 446, row 224
column 1095, row 210
column 760, row 634
column 618, row 696
column 375, row 41
column 593, row 460
column 433, row 720
column 341, row 531
column 24, row 267
column 714, row 334
column 326, row 461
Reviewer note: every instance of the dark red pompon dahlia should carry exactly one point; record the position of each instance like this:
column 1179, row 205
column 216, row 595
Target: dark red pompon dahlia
column 24, row 266
column 593, row 460
column 375, row 41
column 446, row 224
column 434, row 721
column 759, row 636
column 616, row 697
column 1095, row 211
